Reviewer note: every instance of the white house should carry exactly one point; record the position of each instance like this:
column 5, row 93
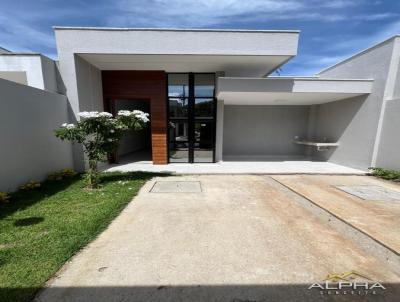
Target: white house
column 211, row 96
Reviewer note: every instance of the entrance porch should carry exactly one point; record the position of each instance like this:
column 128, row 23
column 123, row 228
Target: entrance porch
column 275, row 166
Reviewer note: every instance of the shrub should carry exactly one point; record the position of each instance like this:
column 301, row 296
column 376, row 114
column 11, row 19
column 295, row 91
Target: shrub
column 59, row 175
column 55, row 176
column 100, row 133
column 385, row 173
column 4, row 197
column 30, row 185
column 68, row 173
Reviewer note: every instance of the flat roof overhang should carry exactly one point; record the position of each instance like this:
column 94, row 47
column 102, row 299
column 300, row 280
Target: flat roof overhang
column 289, row 90
column 236, row 52
column 232, row 65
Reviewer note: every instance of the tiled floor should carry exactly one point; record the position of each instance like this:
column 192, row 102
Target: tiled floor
column 239, row 167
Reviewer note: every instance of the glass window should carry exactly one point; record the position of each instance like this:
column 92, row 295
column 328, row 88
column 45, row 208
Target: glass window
column 178, row 85
column 204, row 85
column 204, row 108
column 191, row 117
column 178, row 107
column 178, row 142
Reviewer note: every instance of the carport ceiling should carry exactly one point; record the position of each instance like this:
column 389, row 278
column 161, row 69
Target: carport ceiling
column 233, row 65
column 289, row 91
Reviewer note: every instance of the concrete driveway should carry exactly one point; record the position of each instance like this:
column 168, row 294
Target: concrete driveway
column 217, row 238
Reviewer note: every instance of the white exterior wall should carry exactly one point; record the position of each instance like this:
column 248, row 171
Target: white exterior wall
column 153, row 41
column 30, row 64
column 89, row 84
column 355, row 123
column 14, row 76
column 49, row 71
column 89, row 91
column 30, row 150
column 389, row 147
column 40, row 71
column 263, row 132
column 387, row 154
column 219, row 131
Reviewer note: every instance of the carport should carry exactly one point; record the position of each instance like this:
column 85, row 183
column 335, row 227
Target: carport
column 277, row 118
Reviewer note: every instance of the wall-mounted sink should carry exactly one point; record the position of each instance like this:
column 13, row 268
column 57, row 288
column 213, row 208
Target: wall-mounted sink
column 320, row 145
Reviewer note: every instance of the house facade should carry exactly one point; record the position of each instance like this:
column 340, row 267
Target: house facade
column 211, row 96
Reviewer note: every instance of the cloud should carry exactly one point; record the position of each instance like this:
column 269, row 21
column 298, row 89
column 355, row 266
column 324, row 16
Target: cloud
column 21, row 36
column 347, row 46
column 363, row 41
column 340, row 3
column 201, row 13
column 206, row 13
column 378, row 16
column 351, row 23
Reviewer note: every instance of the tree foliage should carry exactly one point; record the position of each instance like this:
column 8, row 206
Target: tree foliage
column 100, row 134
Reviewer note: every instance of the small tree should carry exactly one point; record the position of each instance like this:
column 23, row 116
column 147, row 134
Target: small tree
column 100, row 133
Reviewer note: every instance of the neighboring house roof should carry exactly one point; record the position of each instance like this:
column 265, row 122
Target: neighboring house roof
column 359, row 53
column 21, row 54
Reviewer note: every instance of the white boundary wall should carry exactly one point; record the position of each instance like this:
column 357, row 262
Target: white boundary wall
column 28, row 148
column 389, row 147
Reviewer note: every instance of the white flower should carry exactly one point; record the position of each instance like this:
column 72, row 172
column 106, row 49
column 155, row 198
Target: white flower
column 112, row 131
column 68, row 126
column 110, row 140
column 136, row 113
column 86, row 114
column 94, row 114
column 124, row 113
column 141, row 115
column 105, row 114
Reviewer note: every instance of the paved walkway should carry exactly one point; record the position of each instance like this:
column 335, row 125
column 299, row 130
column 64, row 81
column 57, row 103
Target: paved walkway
column 235, row 238
column 240, row 167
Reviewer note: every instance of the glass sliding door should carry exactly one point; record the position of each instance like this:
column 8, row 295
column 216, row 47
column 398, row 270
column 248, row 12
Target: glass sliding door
column 203, row 151
column 191, row 117
column 178, row 142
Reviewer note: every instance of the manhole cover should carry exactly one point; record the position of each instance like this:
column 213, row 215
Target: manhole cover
column 371, row 192
column 176, row 187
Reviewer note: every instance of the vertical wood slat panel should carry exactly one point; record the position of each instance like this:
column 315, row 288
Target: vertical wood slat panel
column 144, row 85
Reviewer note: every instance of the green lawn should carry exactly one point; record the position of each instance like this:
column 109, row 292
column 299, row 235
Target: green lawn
column 42, row 228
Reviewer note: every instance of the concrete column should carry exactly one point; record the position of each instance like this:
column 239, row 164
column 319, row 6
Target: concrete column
column 219, row 131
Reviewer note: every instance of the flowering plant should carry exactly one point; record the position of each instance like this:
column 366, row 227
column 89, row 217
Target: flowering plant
column 100, row 133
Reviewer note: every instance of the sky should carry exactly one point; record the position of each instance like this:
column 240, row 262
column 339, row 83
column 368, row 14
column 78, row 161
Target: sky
column 331, row 30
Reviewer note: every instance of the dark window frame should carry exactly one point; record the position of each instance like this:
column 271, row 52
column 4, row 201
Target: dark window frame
column 191, row 119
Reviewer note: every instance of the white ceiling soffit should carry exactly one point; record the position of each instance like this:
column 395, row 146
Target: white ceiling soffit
column 289, row 91
column 232, row 65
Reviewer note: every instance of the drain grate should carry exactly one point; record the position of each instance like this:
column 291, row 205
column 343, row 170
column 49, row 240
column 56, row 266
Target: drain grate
column 176, row 187
column 368, row 192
